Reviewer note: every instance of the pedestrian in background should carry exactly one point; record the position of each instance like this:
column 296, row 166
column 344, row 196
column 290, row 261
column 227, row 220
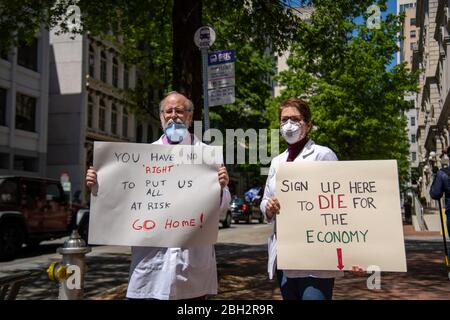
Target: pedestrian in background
column 441, row 186
column 174, row 273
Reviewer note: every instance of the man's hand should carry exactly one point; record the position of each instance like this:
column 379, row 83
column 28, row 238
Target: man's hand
column 223, row 176
column 91, row 177
column 272, row 207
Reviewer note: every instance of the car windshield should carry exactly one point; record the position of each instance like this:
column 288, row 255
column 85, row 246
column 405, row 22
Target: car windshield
column 237, row 201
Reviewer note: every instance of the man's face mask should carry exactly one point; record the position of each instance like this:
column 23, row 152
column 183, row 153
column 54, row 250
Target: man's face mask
column 175, row 131
column 292, row 131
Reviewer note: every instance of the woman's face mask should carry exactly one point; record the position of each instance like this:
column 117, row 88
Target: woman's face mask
column 175, row 131
column 292, row 131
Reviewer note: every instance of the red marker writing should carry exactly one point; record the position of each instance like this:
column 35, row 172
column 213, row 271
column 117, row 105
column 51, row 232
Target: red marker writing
column 339, row 255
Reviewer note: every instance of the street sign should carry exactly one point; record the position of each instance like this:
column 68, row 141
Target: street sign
column 204, row 37
column 221, row 77
column 221, row 96
column 218, row 57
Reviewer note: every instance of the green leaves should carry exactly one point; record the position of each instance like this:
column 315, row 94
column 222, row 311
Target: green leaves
column 341, row 66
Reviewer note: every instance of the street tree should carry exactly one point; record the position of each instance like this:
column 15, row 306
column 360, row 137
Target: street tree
column 341, row 66
column 157, row 34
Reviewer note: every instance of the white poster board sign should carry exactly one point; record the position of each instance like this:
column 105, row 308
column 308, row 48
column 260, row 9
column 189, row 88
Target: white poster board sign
column 155, row 195
column 336, row 214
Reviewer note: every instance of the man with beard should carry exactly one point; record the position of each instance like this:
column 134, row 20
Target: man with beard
column 174, row 273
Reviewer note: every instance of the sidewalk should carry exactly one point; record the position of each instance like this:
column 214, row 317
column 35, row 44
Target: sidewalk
column 242, row 273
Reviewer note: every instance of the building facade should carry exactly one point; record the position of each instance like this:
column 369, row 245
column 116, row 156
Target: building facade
column 87, row 86
column 305, row 14
column 433, row 101
column 24, row 107
column 409, row 36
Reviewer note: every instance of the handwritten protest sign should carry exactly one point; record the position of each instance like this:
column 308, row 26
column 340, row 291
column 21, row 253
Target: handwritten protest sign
column 335, row 214
column 155, row 195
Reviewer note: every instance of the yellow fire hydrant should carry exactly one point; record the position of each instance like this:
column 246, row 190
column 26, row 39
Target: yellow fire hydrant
column 71, row 270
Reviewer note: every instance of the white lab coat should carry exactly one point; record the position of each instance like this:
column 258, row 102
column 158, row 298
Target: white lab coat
column 311, row 152
column 174, row 273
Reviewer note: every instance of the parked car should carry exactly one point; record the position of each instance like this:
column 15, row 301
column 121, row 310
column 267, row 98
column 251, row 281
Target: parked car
column 225, row 217
column 33, row 210
column 242, row 210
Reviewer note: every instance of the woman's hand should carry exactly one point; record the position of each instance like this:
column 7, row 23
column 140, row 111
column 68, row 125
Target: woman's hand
column 272, row 207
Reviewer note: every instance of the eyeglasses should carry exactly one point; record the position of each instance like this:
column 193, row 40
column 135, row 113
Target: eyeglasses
column 178, row 111
column 293, row 118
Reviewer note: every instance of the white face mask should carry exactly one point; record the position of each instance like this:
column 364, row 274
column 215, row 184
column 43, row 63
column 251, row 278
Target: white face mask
column 292, row 131
column 175, row 131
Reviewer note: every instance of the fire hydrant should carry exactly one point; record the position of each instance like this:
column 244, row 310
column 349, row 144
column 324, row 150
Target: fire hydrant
column 71, row 271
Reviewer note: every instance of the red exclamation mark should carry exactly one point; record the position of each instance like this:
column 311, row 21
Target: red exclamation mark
column 201, row 220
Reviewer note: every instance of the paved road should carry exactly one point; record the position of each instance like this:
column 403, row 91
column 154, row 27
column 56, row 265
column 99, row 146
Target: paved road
column 242, row 270
column 108, row 265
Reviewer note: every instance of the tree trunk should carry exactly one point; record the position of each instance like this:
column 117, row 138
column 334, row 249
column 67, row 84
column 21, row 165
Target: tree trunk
column 187, row 72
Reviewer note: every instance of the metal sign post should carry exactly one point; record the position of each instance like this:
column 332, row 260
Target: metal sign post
column 205, row 90
column 204, row 38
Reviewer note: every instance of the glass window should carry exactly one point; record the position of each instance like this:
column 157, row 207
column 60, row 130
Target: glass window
column 114, row 119
column 412, row 33
column 3, row 97
column 139, row 131
column 115, row 73
column 22, row 163
column 91, row 62
column 8, row 192
column 125, row 123
column 102, row 115
column 25, row 113
column 412, row 21
column 413, row 156
column 53, row 192
column 90, row 113
column 413, row 121
column 103, row 66
column 27, row 54
column 4, row 161
column 126, row 77
column 413, row 138
column 30, row 192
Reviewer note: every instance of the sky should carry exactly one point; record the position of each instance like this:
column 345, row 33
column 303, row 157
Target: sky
column 391, row 8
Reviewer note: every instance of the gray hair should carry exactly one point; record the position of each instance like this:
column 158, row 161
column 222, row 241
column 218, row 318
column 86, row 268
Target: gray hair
column 189, row 105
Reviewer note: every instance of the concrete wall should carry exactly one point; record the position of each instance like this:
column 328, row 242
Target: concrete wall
column 67, row 108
